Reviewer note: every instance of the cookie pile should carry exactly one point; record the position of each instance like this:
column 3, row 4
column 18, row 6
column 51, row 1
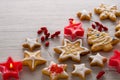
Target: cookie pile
column 97, row 38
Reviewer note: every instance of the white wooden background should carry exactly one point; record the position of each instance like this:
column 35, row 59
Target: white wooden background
column 22, row 18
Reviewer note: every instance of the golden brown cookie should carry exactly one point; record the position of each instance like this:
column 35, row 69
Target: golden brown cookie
column 107, row 12
column 71, row 50
column 100, row 40
column 97, row 60
column 117, row 29
column 31, row 44
column 33, row 59
column 81, row 70
column 84, row 15
column 56, row 71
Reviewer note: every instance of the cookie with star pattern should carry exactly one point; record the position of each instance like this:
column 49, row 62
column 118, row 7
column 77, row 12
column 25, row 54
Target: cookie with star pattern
column 56, row 71
column 71, row 50
column 97, row 60
column 81, row 70
column 31, row 44
column 84, row 15
column 33, row 59
column 107, row 12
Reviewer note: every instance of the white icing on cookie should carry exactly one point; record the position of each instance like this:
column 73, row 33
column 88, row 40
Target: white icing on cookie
column 97, row 59
column 80, row 69
column 85, row 13
column 33, row 57
column 31, row 42
column 74, row 52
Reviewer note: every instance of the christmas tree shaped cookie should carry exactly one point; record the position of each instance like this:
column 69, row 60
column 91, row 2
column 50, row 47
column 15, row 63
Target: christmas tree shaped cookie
column 100, row 40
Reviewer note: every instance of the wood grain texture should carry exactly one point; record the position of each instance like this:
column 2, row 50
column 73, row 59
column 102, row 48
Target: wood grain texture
column 22, row 18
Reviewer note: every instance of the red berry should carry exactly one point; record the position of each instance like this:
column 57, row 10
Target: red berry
column 100, row 29
column 39, row 31
column 57, row 33
column 100, row 74
column 97, row 23
column 43, row 28
column 93, row 26
column 105, row 28
column 42, row 38
column 45, row 32
column 53, row 35
column 47, row 35
column 100, row 25
column 47, row 44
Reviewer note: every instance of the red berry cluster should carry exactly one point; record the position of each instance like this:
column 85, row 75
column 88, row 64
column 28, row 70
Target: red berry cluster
column 100, row 74
column 56, row 69
column 99, row 26
column 47, row 35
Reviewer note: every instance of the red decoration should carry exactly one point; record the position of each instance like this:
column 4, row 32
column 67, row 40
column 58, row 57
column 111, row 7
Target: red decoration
column 47, row 44
column 10, row 69
column 42, row 38
column 114, row 61
column 99, row 26
column 39, row 31
column 100, row 74
column 56, row 69
column 73, row 30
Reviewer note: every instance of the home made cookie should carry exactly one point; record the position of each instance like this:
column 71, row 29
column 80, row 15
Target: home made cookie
column 97, row 60
column 84, row 15
column 100, row 40
column 33, row 59
column 71, row 50
column 31, row 44
column 107, row 12
column 55, row 71
column 81, row 70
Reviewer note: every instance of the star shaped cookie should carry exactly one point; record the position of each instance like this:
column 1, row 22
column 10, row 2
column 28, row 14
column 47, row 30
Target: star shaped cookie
column 81, row 70
column 114, row 60
column 71, row 50
column 31, row 44
column 97, row 60
column 56, row 71
column 84, row 15
column 33, row 59
column 107, row 12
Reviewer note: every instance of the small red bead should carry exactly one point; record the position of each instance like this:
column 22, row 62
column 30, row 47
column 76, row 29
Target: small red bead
column 53, row 35
column 42, row 38
column 57, row 33
column 39, row 31
column 97, row 23
column 47, row 44
column 93, row 26
column 45, row 32
column 100, row 74
column 100, row 29
column 43, row 28
column 105, row 28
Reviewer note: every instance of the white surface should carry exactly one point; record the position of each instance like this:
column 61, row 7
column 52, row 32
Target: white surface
column 22, row 18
